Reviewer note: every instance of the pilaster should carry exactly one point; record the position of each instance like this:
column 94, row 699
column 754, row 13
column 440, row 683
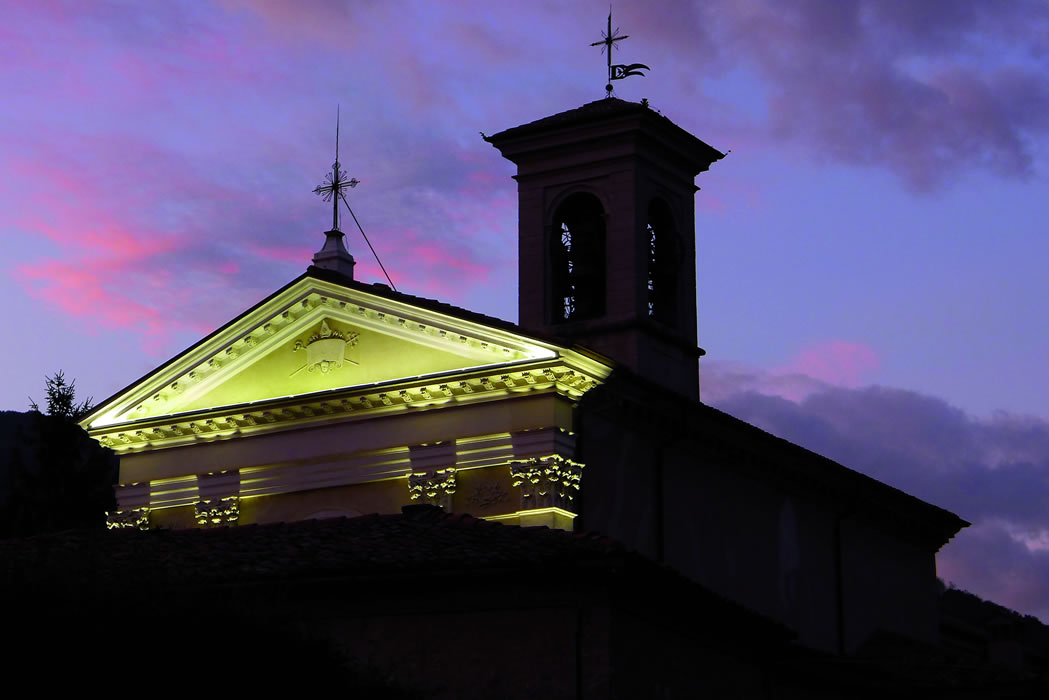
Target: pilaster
column 432, row 479
column 219, row 498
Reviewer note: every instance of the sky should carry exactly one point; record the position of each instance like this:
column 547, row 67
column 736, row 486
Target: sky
column 871, row 253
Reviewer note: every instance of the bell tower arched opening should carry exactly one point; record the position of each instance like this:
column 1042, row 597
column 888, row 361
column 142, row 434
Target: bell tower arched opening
column 577, row 259
column 664, row 259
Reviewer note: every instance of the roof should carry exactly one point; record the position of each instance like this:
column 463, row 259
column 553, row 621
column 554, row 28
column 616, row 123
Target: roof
column 607, row 107
column 384, row 290
column 422, row 541
column 797, row 467
column 855, row 489
column 376, row 289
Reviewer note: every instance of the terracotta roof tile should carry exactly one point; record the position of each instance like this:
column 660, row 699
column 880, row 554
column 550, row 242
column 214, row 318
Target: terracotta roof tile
column 338, row 546
column 607, row 110
column 606, row 107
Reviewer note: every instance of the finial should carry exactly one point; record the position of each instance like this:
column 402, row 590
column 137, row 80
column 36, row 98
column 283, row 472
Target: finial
column 335, row 181
column 334, row 256
column 619, row 71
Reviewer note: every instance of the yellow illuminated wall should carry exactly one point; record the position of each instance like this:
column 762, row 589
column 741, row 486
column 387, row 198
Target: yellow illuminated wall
column 378, row 357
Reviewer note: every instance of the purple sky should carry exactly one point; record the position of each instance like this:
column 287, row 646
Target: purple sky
column 873, row 252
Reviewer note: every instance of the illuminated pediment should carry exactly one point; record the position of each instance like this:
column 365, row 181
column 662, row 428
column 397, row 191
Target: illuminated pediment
column 312, row 337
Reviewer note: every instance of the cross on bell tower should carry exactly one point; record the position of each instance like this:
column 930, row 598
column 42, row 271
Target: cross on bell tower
column 619, row 71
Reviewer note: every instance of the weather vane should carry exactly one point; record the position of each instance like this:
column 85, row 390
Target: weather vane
column 335, row 182
column 620, row 71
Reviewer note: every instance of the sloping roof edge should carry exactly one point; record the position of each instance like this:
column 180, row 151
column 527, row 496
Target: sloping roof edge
column 714, row 426
column 376, row 289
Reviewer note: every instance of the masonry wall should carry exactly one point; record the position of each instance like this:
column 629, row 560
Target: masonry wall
column 888, row 583
column 759, row 540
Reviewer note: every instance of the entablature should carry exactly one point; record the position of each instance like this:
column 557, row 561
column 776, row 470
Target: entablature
column 349, row 404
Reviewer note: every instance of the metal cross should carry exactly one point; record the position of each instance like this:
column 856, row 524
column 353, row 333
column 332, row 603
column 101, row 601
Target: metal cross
column 335, row 182
column 616, row 72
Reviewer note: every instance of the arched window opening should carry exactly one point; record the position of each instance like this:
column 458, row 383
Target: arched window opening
column 578, row 259
column 664, row 256
column 789, row 563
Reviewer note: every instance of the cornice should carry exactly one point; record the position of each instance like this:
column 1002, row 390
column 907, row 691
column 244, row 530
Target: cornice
column 351, row 403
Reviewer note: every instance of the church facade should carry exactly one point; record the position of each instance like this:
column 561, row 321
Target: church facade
column 335, row 397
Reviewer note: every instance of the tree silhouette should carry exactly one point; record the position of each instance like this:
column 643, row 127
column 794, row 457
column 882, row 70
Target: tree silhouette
column 61, row 398
column 53, row 475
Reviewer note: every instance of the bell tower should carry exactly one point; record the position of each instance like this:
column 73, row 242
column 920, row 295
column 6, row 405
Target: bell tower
column 607, row 245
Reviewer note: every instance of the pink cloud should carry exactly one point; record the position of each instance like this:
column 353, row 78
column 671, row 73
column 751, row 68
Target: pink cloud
column 113, row 264
column 723, row 380
column 182, row 233
column 435, row 257
column 813, row 370
column 96, row 255
column 79, row 288
column 434, row 267
column 445, row 268
column 837, row 362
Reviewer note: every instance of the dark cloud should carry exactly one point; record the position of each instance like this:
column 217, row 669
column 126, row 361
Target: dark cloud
column 922, row 88
column 991, row 471
column 988, row 560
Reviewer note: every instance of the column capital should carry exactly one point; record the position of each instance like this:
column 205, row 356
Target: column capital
column 214, row 512
column 130, row 519
column 435, row 487
column 547, row 482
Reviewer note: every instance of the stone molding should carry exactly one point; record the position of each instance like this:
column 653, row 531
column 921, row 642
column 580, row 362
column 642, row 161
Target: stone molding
column 221, row 424
column 221, row 484
column 432, row 456
column 541, row 442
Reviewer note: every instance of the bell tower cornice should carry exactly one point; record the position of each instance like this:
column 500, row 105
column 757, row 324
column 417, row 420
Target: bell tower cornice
column 575, row 133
